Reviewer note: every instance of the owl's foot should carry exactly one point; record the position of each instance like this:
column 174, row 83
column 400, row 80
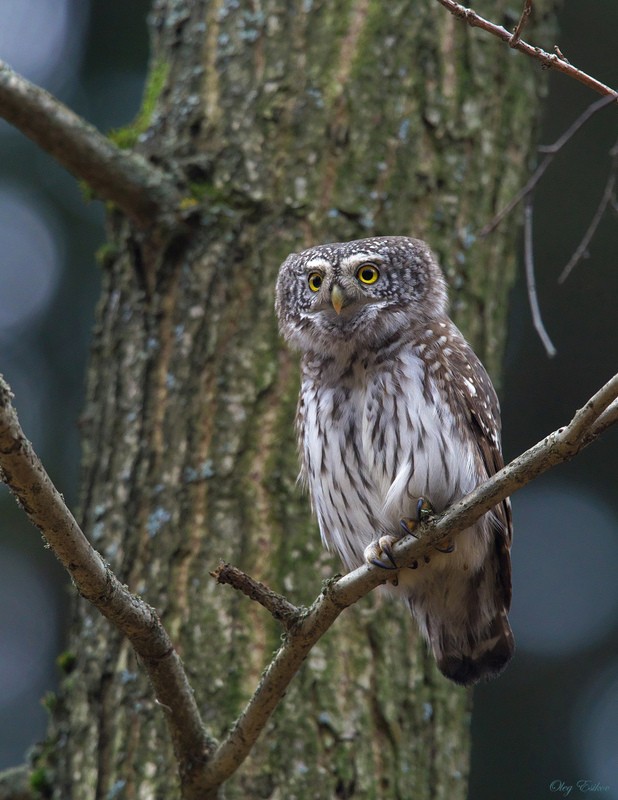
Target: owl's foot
column 380, row 550
column 424, row 512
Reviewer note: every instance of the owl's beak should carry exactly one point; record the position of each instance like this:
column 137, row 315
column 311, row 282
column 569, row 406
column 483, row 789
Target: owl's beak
column 336, row 298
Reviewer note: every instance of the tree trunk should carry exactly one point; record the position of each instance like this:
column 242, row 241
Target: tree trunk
column 287, row 124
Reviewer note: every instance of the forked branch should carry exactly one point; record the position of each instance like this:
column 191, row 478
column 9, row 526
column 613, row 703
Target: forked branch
column 204, row 766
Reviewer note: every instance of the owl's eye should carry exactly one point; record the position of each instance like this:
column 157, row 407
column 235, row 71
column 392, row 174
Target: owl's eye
column 315, row 281
column 367, row 274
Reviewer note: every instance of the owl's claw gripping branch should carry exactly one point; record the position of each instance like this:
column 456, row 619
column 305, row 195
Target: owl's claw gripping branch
column 383, row 546
column 375, row 552
column 424, row 512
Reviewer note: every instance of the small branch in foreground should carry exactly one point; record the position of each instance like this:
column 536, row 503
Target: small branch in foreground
column 533, row 299
column 599, row 413
column 547, row 60
column 142, row 191
column 27, row 479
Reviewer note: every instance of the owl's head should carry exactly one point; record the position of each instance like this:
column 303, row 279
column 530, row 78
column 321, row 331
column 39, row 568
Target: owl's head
column 338, row 298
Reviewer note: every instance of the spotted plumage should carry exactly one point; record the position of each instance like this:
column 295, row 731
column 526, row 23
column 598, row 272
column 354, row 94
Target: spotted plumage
column 394, row 407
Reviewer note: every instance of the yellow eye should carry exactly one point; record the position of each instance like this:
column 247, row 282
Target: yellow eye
column 315, row 281
column 367, row 274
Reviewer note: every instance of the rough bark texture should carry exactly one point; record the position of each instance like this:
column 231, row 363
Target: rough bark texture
column 285, row 125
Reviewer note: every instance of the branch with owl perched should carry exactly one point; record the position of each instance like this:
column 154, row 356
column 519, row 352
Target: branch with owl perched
column 25, row 476
column 595, row 417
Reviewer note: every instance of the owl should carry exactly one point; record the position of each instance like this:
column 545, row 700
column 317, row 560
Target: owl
column 396, row 417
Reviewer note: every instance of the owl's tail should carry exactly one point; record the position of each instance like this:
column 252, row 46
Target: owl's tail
column 482, row 656
column 465, row 621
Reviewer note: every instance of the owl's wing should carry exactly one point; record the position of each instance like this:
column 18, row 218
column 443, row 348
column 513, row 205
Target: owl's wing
column 475, row 395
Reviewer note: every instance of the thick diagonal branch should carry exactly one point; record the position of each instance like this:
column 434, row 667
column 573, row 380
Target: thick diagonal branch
column 599, row 413
column 143, row 192
column 26, row 477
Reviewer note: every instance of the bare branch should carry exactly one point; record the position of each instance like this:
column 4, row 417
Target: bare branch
column 547, row 60
column 606, row 200
column 280, row 608
column 598, row 413
column 533, row 299
column 26, row 477
column 550, row 151
column 142, row 191
column 579, row 123
column 521, row 24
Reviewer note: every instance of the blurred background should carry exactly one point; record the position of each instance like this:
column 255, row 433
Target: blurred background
column 552, row 719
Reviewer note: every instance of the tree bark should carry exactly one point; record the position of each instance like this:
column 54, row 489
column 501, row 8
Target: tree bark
column 284, row 125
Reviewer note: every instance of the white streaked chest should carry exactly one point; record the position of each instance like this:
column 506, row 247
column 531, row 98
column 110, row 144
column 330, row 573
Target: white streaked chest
column 374, row 439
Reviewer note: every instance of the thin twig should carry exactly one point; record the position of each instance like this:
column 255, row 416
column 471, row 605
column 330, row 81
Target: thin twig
column 27, row 479
column 521, row 24
column 560, row 54
column 145, row 193
column 600, row 411
column 533, row 299
column 550, row 151
column 583, row 118
column 280, row 607
column 582, row 249
column 548, row 60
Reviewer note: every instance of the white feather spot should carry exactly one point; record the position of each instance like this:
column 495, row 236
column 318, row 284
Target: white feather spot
column 471, row 387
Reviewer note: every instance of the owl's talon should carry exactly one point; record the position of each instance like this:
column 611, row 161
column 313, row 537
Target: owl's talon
column 424, row 510
column 409, row 525
column 377, row 563
column 375, row 552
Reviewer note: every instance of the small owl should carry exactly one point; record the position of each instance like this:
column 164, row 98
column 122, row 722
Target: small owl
column 396, row 416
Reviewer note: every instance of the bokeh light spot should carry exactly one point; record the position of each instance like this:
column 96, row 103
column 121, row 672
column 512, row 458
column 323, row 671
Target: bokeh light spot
column 565, row 556
column 595, row 733
column 30, row 256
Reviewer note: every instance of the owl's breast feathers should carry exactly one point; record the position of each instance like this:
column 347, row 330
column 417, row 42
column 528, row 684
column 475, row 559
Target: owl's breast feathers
column 418, row 418
column 378, row 430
